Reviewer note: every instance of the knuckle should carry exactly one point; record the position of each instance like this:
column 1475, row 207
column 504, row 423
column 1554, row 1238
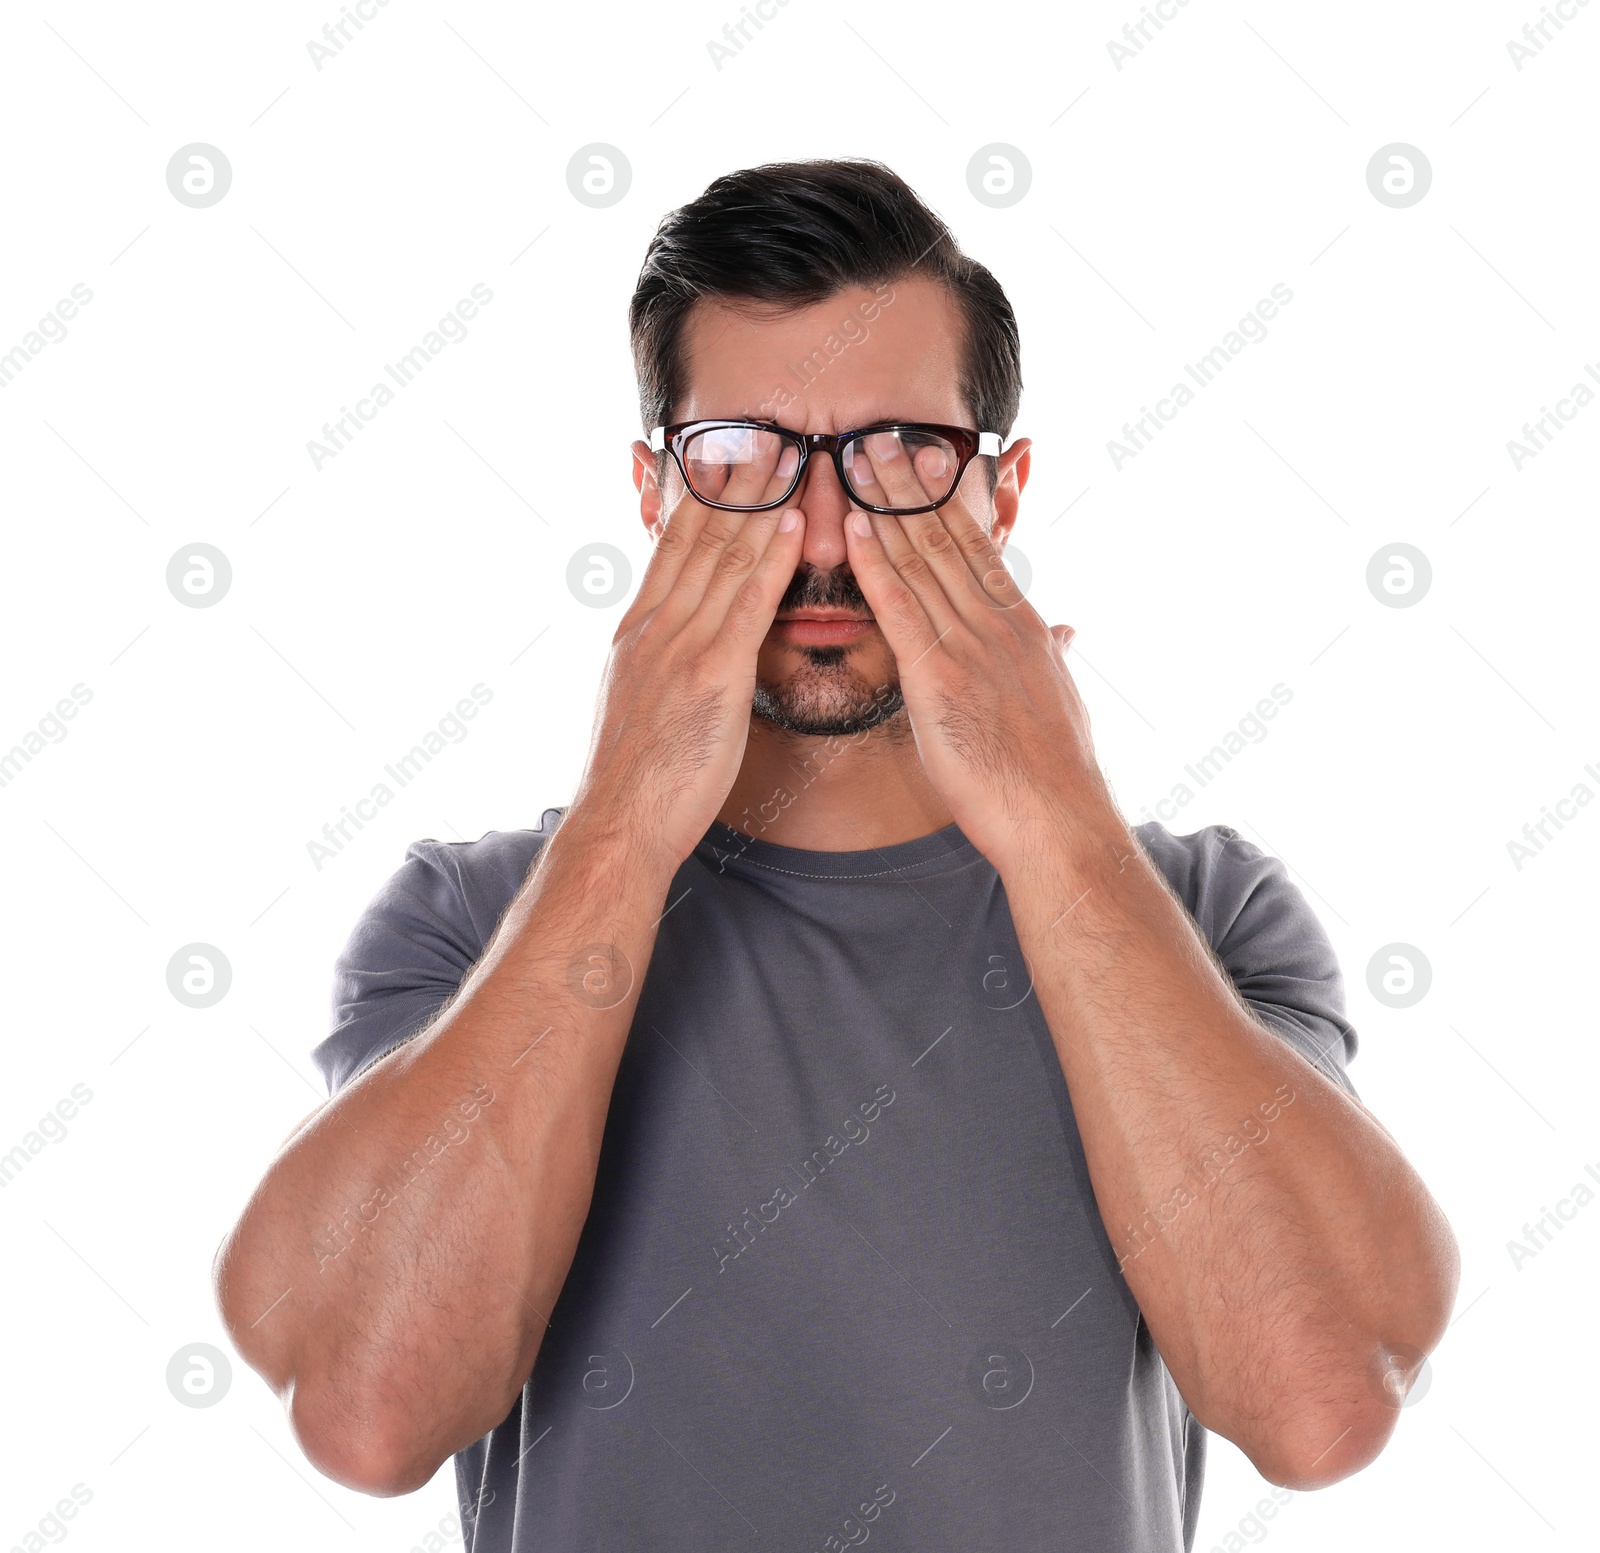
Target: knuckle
column 902, row 600
column 739, row 557
column 746, row 603
column 708, row 541
column 984, row 558
column 703, row 675
column 976, row 544
column 645, row 635
column 631, row 620
column 998, row 582
column 644, row 627
column 631, row 629
column 674, row 540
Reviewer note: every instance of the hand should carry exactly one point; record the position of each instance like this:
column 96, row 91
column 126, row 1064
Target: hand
column 674, row 709
column 1001, row 729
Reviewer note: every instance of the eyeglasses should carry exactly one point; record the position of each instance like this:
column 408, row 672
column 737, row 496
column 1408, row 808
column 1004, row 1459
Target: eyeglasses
column 752, row 466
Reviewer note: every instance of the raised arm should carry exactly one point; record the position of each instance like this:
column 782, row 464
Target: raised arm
column 1294, row 1302
column 396, row 1344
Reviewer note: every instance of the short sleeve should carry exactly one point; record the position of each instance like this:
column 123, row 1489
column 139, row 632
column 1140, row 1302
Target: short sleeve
column 404, row 959
column 1268, row 939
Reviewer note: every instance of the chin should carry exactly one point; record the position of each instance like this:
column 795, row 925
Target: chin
column 828, row 695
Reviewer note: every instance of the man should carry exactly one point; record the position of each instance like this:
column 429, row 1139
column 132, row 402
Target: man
column 837, row 1121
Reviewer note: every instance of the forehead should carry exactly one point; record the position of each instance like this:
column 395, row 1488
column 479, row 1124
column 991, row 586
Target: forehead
column 856, row 357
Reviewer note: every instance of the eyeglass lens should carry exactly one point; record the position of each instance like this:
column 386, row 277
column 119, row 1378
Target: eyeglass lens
column 749, row 466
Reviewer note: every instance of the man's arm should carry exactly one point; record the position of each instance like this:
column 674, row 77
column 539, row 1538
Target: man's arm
column 1284, row 1254
column 1281, row 1297
column 392, row 1275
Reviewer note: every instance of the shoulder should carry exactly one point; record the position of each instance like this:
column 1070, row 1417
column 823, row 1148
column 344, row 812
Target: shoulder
column 1207, row 864
column 470, row 882
column 1265, row 935
column 417, row 938
column 1236, row 892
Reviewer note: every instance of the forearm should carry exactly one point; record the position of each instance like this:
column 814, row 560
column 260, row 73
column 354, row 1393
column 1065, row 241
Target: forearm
column 393, row 1274
column 1271, row 1231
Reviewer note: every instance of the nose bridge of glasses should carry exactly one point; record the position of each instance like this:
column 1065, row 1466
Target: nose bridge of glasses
column 828, row 446
column 832, row 447
column 833, row 441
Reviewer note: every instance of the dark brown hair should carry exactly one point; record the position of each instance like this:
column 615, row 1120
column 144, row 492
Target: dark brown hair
column 789, row 234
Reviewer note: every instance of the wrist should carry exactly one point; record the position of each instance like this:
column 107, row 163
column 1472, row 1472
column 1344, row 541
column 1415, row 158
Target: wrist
column 1070, row 833
column 609, row 844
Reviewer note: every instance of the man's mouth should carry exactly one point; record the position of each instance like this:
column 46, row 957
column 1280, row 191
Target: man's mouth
column 820, row 627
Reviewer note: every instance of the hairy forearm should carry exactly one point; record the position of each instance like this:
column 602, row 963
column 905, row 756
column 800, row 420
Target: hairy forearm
column 394, row 1272
column 1271, row 1231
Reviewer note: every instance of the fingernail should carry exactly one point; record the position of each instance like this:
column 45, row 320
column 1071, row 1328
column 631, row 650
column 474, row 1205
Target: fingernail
column 789, row 521
column 862, row 524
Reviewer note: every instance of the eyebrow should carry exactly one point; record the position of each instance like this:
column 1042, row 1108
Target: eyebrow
column 854, row 424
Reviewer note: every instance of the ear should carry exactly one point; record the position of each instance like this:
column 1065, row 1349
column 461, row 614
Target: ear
column 1014, row 465
column 644, row 482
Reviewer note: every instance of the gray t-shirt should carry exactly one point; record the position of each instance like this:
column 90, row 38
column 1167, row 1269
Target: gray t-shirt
column 843, row 1275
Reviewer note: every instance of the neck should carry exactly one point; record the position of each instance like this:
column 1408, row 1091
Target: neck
column 845, row 793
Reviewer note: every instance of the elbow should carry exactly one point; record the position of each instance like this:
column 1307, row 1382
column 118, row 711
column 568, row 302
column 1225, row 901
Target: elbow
column 356, row 1449
column 358, row 1445
column 1319, row 1435
column 1322, row 1439
column 1323, row 1446
column 1315, row 1440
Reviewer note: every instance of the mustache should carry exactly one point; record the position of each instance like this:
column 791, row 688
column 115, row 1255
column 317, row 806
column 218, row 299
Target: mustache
column 813, row 588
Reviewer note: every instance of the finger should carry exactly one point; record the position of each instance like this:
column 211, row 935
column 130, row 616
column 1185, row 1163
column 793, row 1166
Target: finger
column 680, row 534
column 954, row 544
column 912, row 477
column 702, row 557
column 980, row 554
column 902, row 477
column 742, row 601
column 763, row 473
column 757, row 467
column 931, row 567
column 723, row 531
column 863, row 484
column 886, row 465
column 900, row 614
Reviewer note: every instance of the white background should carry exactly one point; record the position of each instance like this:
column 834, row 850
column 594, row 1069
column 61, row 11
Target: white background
column 369, row 596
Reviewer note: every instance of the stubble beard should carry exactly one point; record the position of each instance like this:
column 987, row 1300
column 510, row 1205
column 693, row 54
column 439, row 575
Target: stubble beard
column 826, row 696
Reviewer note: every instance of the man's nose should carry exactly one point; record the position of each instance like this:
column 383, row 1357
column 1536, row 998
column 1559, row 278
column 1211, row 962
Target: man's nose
column 826, row 507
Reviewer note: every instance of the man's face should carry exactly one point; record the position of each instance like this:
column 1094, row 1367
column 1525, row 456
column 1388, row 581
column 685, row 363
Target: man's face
column 860, row 358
